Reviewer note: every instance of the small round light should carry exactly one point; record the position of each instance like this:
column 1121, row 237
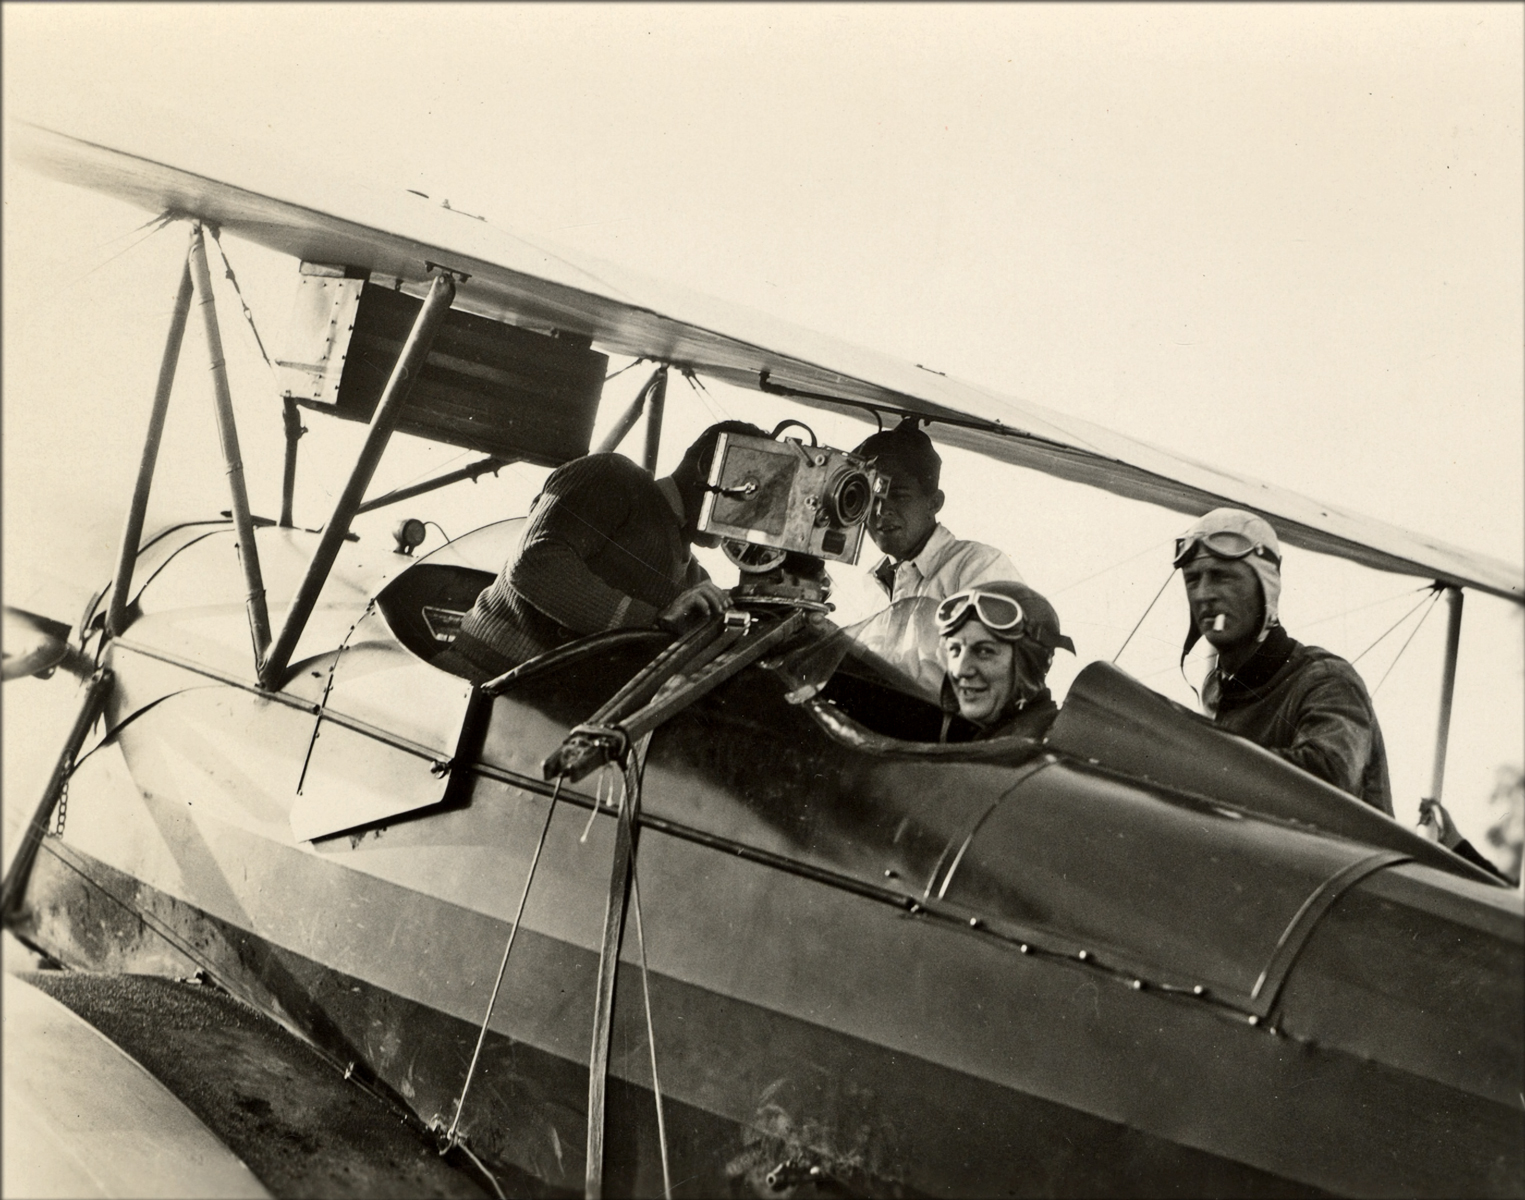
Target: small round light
column 410, row 533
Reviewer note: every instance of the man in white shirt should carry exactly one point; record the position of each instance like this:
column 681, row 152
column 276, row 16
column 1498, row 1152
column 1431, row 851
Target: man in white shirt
column 923, row 563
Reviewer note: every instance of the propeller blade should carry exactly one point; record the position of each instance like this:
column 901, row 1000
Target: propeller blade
column 34, row 645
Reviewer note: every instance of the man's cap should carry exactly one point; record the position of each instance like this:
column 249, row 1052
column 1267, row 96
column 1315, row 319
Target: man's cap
column 1255, row 529
column 907, row 448
column 701, row 451
column 1234, row 520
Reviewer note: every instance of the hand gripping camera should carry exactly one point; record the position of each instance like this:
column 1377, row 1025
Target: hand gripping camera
column 781, row 507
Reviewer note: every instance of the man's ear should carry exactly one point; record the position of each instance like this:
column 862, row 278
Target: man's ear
column 937, row 501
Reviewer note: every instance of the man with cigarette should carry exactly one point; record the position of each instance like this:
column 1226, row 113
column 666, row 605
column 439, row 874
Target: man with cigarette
column 1302, row 703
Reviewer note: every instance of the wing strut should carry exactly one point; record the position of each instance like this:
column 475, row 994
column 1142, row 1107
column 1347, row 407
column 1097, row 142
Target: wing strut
column 409, row 365
column 227, row 432
column 654, row 411
column 650, row 389
column 291, row 423
column 470, row 471
column 132, row 532
column 1447, row 689
column 92, row 704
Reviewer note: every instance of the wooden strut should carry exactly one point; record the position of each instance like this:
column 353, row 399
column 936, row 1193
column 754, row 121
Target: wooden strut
column 291, row 425
column 91, row 706
column 630, row 416
column 655, row 406
column 227, row 431
column 132, row 531
column 1447, row 689
column 410, row 363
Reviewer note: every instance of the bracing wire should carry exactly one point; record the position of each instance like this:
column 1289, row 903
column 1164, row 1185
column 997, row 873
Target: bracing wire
column 631, row 777
column 706, row 397
column 598, row 802
column 634, row 363
column 157, row 224
column 651, row 1037
column 1405, row 645
column 1362, row 607
column 1121, row 563
column 1147, row 611
column 476, row 1054
column 239, row 292
column 1394, row 625
column 482, row 1167
column 1325, row 619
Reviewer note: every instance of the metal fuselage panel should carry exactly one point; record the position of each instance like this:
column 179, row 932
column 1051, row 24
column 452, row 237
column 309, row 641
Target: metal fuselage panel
column 818, row 986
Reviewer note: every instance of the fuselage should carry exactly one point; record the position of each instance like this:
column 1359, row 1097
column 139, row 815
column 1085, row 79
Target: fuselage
column 992, row 969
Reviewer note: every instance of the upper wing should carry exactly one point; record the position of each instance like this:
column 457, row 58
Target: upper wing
column 527, row 282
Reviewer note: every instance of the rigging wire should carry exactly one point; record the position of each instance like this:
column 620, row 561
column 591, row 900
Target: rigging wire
column 1147, row 611
column 1424, row 587
column 706, row 397
column 238, row 291
column 1394, row 626
column 598, row 802
column 1201, row 657
column 158, row 223
column 482, row 1167
column 329, row 687
column 166, row 215
column 651, row 1037
column 634, row 363
column 1121, row 563
column 451, row 1137
column 1405, row 645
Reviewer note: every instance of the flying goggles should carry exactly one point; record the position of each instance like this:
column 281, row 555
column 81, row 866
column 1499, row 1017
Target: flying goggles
column 1222, row 543
column 997, row 613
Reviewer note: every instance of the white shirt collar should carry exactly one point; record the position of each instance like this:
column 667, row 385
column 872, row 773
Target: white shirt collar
column 926, row 562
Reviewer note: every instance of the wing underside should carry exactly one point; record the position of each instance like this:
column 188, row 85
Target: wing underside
column 526, row 282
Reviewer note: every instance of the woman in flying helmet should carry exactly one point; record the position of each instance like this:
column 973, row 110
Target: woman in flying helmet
column 997, row 642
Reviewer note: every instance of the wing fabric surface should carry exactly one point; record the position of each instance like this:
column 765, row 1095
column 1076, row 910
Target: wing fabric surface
column 512, row 278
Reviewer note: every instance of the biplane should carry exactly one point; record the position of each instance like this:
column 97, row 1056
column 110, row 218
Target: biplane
column 718, row 914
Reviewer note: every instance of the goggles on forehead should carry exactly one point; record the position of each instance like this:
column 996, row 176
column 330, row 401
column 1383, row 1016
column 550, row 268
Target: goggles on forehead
column 997, row 613
column 1224, row 543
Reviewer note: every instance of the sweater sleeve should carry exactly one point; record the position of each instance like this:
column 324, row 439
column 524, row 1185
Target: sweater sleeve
column 580, row 511
column 1333, row 738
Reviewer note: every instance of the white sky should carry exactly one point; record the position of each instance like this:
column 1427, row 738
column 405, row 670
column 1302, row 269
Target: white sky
column 1287, row 240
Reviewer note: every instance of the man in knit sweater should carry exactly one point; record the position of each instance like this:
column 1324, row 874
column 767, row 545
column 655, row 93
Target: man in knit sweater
column 607, row 546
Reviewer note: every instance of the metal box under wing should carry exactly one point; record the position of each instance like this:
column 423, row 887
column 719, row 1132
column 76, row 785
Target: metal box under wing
column 486, row 386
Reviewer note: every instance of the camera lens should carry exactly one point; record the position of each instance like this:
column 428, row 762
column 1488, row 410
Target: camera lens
column 850, row 497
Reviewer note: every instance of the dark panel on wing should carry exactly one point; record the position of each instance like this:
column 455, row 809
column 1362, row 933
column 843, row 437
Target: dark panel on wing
column 486, row 386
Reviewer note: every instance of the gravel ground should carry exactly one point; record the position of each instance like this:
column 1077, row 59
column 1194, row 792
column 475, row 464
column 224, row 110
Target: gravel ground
column 294, row 1120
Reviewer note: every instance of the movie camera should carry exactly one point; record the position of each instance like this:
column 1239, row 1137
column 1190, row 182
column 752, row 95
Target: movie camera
column 780, row 508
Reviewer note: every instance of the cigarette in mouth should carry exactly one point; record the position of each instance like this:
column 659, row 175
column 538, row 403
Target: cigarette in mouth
column 1218, row 623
